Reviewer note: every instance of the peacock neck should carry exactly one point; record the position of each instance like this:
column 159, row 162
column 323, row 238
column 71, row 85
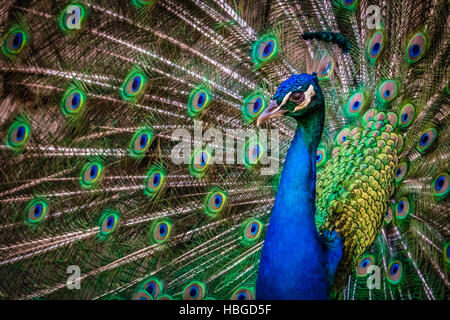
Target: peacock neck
column 293, row 263
column 298, row 180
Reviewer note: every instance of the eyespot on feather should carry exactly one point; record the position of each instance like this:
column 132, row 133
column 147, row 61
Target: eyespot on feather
column 142, row 295
column 243, row 293
column 342, row 136
column 426, row 140
column 14, row 41
column 253, row 152
column 194, row 291
column 406, row 115
column 252, row 107
column 251, row 231
column 440, row 185
column 355, row 104
column 140, row 142
column 153, row 286
column 388, row 90
column 200, row 162
column 417, row 47
column 91, row 174
column 394, row 272
column 154, row 181
column 392, row 119
column 18, row 135
column 133, row 85
column 72, row 18
column 264, row 49
column 214, row 202
column 363, row 265
column 325, row 68
column 108, row 222
column 198, row 100
column 403, row 208
column 36, row 211
column 375, row 46
column 73, row 101
column 349, row 4
column 321, row 156
column 161, row 230
column 369, row 115
column 389, row 214
column 401, row 171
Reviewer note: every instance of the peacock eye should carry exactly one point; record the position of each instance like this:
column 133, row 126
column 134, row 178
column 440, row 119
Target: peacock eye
column 15, row 41
column 72, row 17
column 153, row 286
column 161, row 231
column 297, row 97
column 251, row 231
column 394, row 272
column 140, row 142
column 243, row 293
column 194, row 291
column 18, row 135
column 154, row 181
column 364, row 263
column 142, row 295
column 91, row 174
column 36, row 211
column 214, row 202
column 108, row 222
column 321, row 156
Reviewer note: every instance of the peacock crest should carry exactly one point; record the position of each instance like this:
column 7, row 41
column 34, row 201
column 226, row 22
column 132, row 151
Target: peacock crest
column 92, row 92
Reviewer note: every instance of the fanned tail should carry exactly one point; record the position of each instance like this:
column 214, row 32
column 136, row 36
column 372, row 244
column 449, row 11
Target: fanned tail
column 93, row 93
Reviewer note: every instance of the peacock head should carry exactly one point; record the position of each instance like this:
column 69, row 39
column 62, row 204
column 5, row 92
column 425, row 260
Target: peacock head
column 297, row 97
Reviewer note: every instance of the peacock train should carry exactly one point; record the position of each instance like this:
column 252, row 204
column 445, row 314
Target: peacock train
column 105, row 194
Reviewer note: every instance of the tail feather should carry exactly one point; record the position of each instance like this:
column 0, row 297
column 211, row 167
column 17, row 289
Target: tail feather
column 89, row 106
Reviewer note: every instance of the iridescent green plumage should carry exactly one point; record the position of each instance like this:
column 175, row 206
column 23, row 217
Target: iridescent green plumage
column 354, row 188
column 93, row 91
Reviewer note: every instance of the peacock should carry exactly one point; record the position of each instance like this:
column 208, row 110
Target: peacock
column 134, row 165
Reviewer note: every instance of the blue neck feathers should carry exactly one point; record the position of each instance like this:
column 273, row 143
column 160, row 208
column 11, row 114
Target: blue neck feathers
column 293, row 263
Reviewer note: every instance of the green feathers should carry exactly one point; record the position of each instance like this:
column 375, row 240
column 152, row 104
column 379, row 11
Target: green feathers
column 108, row 222
column 199, row 99
column 73, row 17
column 93, row 95
column 154, row 181
column 14, row 41
column 140, row 142
column 73, row 101
column 91, row 174
column 36, row 211
column 215, row 201
column 18, row 135
column 252, row 107
column 265, row 49
column 133, row 85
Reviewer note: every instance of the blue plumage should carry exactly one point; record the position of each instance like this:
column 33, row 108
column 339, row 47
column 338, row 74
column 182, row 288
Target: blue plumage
column 128, row 149
column 296, row 262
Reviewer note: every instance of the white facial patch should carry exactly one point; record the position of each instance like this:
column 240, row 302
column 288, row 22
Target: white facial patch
column 285, row 99
column 308, row 95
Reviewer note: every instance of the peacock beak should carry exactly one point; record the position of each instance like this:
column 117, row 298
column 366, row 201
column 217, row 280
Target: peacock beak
column 273, row 110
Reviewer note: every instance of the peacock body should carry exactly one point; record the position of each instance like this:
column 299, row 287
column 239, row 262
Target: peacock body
column 94, row 205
